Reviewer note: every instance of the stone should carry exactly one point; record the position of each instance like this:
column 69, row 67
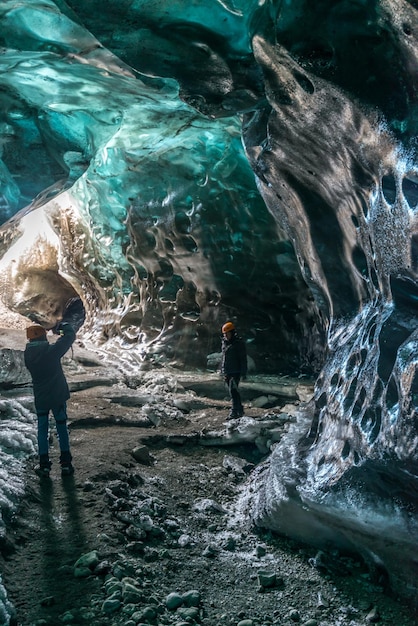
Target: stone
column 266, row 579
column 110, row 605
column 68, row 617
column 173, row 601
column 373, row 616
column 188, row 613
column 142, row 455
column 236, row 464
column 184, row 540
column 182, row 405
column 147, row 614
column 131, row 593
column 260, row 402
column 85, row 565
column 112, row 585
column 294, row 615
column 210, row 551
column 260, row 550
column 102, row 568
column 192, row 598
column 229, row 544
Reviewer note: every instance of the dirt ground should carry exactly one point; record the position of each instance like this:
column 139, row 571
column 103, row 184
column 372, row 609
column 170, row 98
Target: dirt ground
column 169, row 523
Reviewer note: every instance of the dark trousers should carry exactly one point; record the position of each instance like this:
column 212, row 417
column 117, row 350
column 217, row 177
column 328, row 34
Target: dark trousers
column 232, row 380
column 60, row 415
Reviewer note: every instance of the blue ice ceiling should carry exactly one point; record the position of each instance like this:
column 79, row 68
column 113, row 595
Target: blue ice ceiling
column 176, row 234
column 175, row 164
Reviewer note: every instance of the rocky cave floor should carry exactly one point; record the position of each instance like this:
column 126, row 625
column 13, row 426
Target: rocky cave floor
column 156, row 528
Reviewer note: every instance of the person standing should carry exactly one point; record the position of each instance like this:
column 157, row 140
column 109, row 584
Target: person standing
column 233, row 366
column 50, row 390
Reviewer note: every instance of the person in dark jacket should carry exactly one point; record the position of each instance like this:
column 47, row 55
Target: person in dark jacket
column 50, row 390
column 233, row 366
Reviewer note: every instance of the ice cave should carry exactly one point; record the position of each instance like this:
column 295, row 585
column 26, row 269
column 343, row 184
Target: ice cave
column 177, row 163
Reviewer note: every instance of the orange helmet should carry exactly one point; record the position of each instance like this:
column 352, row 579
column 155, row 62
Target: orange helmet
column 226, row 328
column 35, row 332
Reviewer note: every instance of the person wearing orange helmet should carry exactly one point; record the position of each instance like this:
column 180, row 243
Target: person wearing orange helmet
column 233, row 366
column 50, row 390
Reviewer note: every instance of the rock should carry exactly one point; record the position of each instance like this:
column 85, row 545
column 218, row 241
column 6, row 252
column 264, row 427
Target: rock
column 373, row 616
column 116, row 594
column 260, row 402
column 213, row 361
column 210, row 551
column 110, row 605
column 113, row 584
column 328, row 564
column 123, row 569
column 181, row 405
column 246, row 622
column 260, row 551
column 266, row 579
column 152, row 414
column 157, row 531
column 143, row 455
column 134, row 533
column 82, row 572
column 131, row 593
column 310, row 622
column 151, row 555
column 184, row 540
column 304, row 392
column 144, row 522
column 192, row 597
column 229, row 544
column 173, row 601
column 188, row 613
column 85, row 565
column 102, row 569
column 85, row 614
column 294, row 615
column 147, row 614
column 206, row 504
column 236, row 465
column 68, row 617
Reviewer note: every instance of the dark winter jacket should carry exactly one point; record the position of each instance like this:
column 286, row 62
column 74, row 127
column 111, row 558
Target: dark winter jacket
column 43, row 360
column 234, row 357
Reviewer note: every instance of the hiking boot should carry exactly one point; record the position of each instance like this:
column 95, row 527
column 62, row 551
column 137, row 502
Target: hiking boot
column 67, row 470
column 44, row 466
column 65, row 461
column 42, row 472
column 232, row 415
